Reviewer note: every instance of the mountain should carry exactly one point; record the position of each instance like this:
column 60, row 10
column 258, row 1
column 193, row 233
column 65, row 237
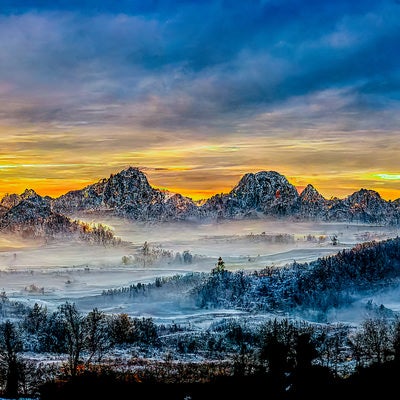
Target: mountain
column 312, row 205
column 3, row 210
column 11, row 200
column 127, row 194
column 265, row 193
column 32, row 217
column 26, row 213
column 362, row 206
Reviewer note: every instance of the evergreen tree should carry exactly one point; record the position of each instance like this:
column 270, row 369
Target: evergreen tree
column 219, row 267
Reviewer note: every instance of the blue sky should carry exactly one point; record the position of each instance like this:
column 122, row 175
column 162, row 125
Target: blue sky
column 200, row 92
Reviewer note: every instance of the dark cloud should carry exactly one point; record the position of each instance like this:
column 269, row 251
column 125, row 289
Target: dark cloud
column 188, row 64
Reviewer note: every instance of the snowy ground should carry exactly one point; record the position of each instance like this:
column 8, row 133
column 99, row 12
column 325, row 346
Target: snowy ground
column 56, row 272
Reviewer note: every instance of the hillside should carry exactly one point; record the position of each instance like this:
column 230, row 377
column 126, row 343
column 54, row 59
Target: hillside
column 326, row 283
column 32, row 216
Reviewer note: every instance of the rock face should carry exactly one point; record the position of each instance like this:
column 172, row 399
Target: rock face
column 31, row 211
column 26, row 209
column 11, row 200
column 264, row 193
column 3, row 210
column 312, row 205
column 33, row 217
column 363, row 206
column 127, row 194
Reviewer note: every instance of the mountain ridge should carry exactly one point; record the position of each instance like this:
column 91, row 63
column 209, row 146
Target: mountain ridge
column 128, row 194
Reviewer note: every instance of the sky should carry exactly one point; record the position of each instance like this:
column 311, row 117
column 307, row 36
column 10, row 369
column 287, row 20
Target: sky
column 198, row 93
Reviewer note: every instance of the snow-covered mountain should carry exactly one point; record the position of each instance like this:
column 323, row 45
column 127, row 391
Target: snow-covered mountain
column 3, row 210
column 263, row 194
column 364, row 206
column 32, row 217
column 12, row 200
column 127, row 194
column 270, row 194
column 312, row 205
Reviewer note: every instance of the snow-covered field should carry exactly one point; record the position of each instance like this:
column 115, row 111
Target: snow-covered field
column 32, row 271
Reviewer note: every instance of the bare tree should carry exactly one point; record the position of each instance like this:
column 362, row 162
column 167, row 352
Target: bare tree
column 74, row 332
column 10, row 346
column 96, row 339
column 374, row 340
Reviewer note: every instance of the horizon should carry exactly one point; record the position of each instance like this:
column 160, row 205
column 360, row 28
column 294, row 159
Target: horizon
column 162, row 188
column 200, row 93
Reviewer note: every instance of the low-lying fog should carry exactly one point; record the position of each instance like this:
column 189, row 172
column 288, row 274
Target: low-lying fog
column 58, row 271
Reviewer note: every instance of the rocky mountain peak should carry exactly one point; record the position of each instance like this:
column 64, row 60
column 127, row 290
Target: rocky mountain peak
column 261, row 179
column 127, row 194
column 130, row 172
column 364, row 205
column 312, row 204
column 28, row 194
column 128, row 187
column 12, row 200
column 264, row 181
column 29, row 211
column 265, row 192
column 310, row 194
column 364, row 195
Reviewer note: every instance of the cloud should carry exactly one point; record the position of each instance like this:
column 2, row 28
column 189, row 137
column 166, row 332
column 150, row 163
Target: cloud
column 189, row 65
column 395, row 177
column 264, row 84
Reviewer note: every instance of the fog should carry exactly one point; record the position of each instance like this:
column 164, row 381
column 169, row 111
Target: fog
column 56, row 271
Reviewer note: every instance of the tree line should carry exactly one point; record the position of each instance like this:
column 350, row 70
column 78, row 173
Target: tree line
column 282, row 350
column 326, row 283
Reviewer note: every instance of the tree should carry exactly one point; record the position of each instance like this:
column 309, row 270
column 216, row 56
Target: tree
column 144, row 331
column 74, row 334
column 96, row 339
column 10, row 346
column 36, row 319
column 334, row 240
column 52, row 336
column 373, row 339
column 121, row 328
column 145, row 252
column 276, row 353
column 306, row 351
column 187, row 257
column 125, row 260
column 219, row 267
column 396, row 340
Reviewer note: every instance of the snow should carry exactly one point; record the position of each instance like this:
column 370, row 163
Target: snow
column 80, row 272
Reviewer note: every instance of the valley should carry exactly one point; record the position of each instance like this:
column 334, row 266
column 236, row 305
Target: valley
column 58, row 271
